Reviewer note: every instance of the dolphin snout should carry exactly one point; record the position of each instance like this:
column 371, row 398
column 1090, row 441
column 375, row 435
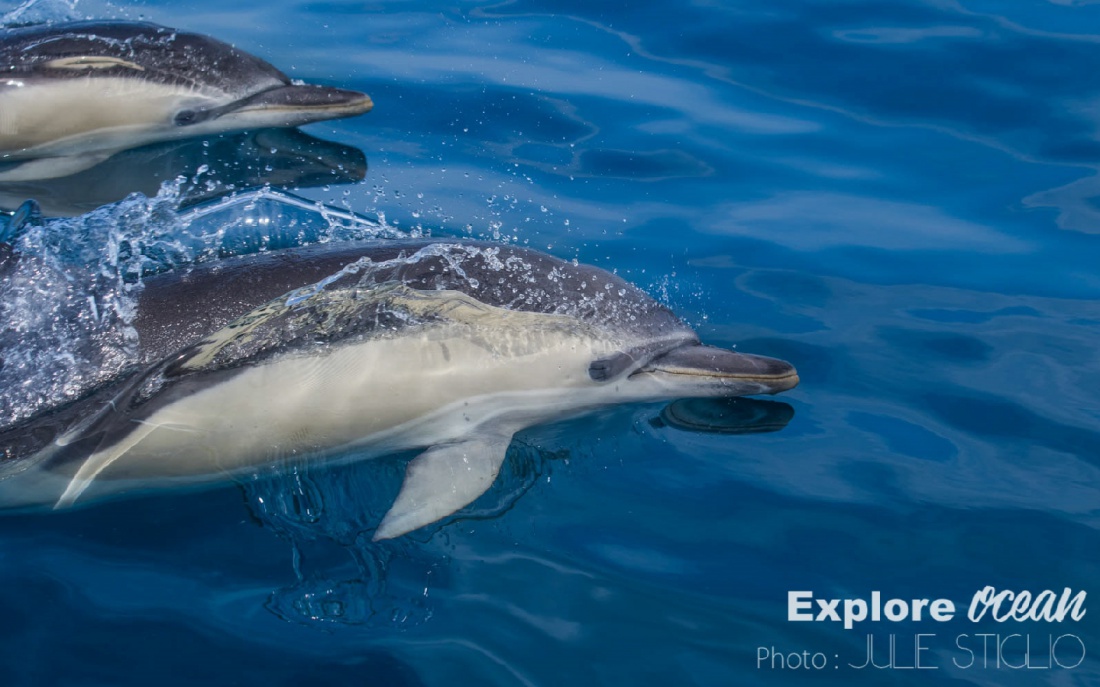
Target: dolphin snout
column 708, row 362
column 332, row 102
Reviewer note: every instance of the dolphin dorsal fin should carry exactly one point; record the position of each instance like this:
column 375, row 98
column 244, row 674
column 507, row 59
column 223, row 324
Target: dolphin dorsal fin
column 443, row 479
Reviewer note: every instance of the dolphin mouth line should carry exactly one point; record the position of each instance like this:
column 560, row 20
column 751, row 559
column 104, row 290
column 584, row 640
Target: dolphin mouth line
column 353, row 100
column 303, row 108
column 256, row 102
column 772, row 384
column 364, row 104
column 790, row 376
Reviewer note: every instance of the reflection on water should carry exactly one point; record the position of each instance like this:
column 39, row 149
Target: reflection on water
column 725, row 415
column 201, row 169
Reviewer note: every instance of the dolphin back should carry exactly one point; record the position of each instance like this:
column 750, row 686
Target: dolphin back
column 178, row 308
column 138, row 50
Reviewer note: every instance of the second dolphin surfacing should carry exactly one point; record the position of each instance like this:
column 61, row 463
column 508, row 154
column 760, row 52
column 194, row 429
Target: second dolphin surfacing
column 452, row 346
column 75, row 93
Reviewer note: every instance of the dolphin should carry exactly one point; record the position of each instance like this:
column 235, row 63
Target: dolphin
column 363, row 350
column 72, row 94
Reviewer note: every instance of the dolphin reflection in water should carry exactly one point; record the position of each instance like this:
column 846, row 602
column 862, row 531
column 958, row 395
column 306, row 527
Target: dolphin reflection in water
column 205, row 169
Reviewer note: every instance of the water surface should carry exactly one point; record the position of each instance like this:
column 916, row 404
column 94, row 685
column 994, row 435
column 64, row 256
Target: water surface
column 898, row 197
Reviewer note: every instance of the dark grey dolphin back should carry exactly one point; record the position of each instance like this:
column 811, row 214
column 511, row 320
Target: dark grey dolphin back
column 156, row 53
column 178, row 309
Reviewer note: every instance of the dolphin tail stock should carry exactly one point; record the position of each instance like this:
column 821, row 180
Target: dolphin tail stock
column 97, row 463
column 90, row 446
column 110, row 429
column 444, row 479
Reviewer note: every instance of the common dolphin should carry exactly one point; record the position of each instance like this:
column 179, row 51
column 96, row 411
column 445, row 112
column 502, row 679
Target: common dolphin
column 450, row 346
column 71, row 94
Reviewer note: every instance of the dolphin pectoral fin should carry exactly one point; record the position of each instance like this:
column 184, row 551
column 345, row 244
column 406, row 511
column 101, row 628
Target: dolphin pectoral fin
column 443, row 479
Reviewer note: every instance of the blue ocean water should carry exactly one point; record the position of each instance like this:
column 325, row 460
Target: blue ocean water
column 900, row 198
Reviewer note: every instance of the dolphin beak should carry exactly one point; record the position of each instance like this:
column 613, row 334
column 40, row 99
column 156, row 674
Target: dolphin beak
column 302, row 104
column 754, row 374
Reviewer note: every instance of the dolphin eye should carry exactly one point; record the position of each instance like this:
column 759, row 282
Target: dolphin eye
column 185, row 117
